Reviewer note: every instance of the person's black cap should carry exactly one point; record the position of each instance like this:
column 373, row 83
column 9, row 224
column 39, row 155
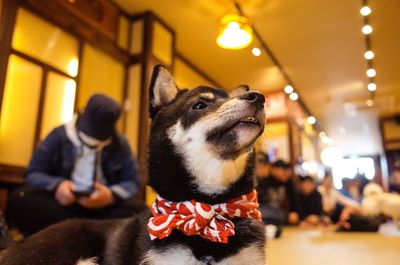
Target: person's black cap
column 281, row 164
column 262, row 158
column 99, row 117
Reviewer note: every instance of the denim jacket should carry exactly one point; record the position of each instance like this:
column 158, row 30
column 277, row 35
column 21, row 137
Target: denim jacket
column 53, row 161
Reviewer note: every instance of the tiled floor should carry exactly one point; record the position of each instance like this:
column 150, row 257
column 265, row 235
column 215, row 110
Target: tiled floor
column 313, row 247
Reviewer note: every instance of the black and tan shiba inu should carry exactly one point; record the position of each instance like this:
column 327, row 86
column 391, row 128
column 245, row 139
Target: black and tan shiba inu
column 201, row 165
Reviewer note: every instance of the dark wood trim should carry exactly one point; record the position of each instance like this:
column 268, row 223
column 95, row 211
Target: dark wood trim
column 42, row 64
column 144, row 98
column 42, row 96
column 184, row 59
column 7, row 23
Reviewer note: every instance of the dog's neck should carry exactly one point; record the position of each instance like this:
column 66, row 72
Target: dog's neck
column 212, row 174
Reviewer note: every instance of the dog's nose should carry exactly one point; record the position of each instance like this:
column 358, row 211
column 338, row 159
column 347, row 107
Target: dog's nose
column 253, row 97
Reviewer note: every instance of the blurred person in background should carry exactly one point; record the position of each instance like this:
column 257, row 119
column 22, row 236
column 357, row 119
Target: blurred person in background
column 277, row 193
column 351, row 189
column 394, row 185
column 83, row 169
column 333, row 202
column 310, row 203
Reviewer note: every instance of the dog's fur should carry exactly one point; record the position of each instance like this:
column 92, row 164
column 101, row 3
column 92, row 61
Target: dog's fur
column 377, row 202
column 201, row 148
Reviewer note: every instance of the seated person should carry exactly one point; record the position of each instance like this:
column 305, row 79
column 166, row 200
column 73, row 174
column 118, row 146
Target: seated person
column 277, row 196
column 310, row 203
column 333, row 201
column 394, row 185
column 351, row 189
column 83, row 169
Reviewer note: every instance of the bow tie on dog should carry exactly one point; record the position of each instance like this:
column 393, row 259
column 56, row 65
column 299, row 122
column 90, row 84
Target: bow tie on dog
column 197, row 218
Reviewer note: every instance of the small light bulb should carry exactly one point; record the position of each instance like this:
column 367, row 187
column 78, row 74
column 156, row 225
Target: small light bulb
column 372, row 87
column 369, row 103
column 371, row 72
column 288, row 89
column 256, row 52
column 367, row 29
column 365, row 10
column 311, row 120
column 369, row 55
column 293, row 96
column 322, row 134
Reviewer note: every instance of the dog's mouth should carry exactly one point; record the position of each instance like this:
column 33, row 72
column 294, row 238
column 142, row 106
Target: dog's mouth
column 240, row 131
column 251, row 120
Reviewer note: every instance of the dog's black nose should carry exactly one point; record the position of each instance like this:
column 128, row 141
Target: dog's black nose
column 253, row 97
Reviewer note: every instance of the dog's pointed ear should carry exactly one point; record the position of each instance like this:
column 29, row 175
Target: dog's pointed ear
column 163, row 89
column 241, row 89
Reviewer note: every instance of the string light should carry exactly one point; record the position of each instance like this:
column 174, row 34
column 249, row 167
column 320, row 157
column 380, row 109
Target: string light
column 371, row 72
column 288, row 89
column 372, row 87
column 311, row 120
column 369, row 55
column 256, row 52
column 294, row 96
column 365, row 11
column 370, row 103
column 367, row 29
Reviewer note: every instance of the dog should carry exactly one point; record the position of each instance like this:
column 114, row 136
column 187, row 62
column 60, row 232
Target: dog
column 377, row 202
column 201, row 162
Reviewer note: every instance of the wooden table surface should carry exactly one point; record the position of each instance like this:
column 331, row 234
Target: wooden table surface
column 316, row 247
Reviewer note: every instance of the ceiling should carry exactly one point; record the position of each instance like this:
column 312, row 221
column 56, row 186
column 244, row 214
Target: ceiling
column 318, row 42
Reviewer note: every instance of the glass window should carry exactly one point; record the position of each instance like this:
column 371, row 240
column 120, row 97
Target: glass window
column 19, row 111
column 100, row 74
column 351, row 167
column 133, row 107
column 59, row 102
column 41, row 40
column 162, row 43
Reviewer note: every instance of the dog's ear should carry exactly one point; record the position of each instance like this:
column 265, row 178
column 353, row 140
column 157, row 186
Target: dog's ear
column 162, row 89
column 241, row 89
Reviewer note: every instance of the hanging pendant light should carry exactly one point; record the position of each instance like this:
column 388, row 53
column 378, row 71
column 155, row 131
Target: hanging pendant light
column 234, row 33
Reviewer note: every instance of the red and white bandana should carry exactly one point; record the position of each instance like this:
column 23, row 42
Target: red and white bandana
column 211, row 222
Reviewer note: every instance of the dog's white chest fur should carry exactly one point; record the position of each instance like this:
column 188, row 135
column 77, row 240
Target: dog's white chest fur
column 180, row 255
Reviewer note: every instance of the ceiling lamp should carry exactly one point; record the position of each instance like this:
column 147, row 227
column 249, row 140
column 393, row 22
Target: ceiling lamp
column 234, row 33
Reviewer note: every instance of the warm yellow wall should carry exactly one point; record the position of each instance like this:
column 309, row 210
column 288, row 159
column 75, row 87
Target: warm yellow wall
column 162, row 43
column 19, row 111
column 137, row 36
column 133, row 107
column 46, row 42
column 58, row 103
column 100, row 74
column 186, row 77
column 123, row 32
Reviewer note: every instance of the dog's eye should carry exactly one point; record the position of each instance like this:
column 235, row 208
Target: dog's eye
column 199, row 105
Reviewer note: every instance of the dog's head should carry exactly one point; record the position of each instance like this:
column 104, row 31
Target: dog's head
column 201, row 140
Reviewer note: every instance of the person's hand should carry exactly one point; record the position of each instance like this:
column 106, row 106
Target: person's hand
column 293, row 218
column 64, row 193
column 101, row 197
column 313, row 219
